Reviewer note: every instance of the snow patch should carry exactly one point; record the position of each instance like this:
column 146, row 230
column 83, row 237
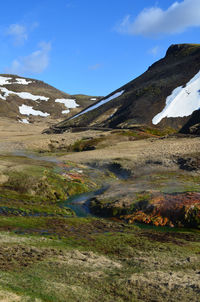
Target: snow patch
column 24, row 121
column 69, row 103
column 65, row 111
column 27, row 110
column 93, row 99
column 4, row 80
column 22, row 81
column 182, row 102
column 102, row 102
column 23, row 95
column 29, row 96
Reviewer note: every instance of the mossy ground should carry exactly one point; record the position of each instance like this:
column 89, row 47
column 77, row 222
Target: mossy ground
column 111, row 137
column 54, row 258
column 96, row 260
column 33, row 187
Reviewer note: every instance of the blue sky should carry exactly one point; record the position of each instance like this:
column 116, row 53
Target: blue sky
column 92, row 47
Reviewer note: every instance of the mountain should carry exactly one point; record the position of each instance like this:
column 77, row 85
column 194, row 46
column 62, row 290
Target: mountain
column 193, row 124
column 165, row 95
column 29, row 100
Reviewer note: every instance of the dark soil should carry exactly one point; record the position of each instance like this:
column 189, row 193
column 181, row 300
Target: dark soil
column 12, row 258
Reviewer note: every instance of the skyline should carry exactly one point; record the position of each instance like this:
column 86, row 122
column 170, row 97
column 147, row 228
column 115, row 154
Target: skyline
column 92, row 48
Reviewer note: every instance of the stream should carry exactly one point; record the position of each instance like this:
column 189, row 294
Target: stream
column 79, row 203
column 157, row 183
column 35, row 156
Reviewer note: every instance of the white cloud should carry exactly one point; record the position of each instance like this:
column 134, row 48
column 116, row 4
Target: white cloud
column 154, row 51
column 95, row 67
column 36, row 62
column 18, row 33
column 155, row 21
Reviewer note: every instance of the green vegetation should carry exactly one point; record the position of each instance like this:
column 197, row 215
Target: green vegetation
column 160, row 132
column 144, row 132
column 136, row 134
column 38, row 189
column 85, row 145
column 87, row 259
column 48, row 256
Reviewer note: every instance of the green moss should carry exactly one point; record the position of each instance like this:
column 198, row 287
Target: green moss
column 132, row 133
column 160, row 132
column 75, row 187
column 84, row 145
column 60, row 276
column 39, row 189
column 49, row 186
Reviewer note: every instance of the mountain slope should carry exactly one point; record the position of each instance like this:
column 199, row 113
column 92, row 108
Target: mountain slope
column 28, row 100
column 193, row 124
column 164, row 96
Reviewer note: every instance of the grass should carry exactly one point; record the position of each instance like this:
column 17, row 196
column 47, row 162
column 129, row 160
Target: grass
column 88, row 259
column 144, row 132
column 38, row 187
column 160, row 132
column 84, row 145
column 111, row 260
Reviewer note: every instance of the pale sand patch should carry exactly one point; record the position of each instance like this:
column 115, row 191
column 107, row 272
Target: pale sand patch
column 165, row 281
column 3, row 178
column 6, row 296
column 7, row 237
column 88, row 259
column 64, row 289
column 17, row 136
column 141, row 150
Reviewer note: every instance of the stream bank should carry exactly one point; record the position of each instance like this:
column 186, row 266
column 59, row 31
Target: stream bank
column 103, row 189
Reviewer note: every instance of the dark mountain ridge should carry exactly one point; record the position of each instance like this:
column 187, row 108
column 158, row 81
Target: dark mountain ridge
column 140, row 100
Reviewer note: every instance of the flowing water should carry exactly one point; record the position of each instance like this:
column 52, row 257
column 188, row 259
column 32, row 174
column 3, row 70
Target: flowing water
column 155, row 182
column 79, row 203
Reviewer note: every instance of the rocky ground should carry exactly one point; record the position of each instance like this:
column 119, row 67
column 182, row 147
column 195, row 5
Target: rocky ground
column 147, row 246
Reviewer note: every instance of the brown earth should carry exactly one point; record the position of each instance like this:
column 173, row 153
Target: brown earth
column 170, row 210
column 9, row 107
column 12, row 258
column 131, row 153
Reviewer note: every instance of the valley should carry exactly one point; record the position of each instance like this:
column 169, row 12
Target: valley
column 100, row 196
column 136, row 239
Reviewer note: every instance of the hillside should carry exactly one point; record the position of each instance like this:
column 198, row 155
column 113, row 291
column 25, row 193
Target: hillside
column 193, row 124
column 28, row 100
column 99, row 215
column 164, row 96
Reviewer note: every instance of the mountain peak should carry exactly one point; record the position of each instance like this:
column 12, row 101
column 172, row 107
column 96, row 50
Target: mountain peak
column 182, row 49
column 169, row 89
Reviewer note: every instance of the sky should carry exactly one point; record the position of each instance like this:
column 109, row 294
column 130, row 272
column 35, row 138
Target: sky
column 92, row 47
